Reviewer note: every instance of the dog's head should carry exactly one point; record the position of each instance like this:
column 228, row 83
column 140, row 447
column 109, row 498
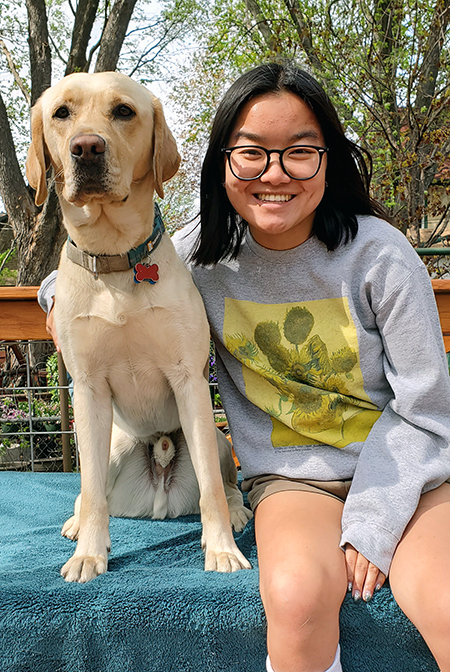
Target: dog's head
column 101, row 132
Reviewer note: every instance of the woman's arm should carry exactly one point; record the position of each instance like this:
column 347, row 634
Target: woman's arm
column 46, row 299
column 407, row 451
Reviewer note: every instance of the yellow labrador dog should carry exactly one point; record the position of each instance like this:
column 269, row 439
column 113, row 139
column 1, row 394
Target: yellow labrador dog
column 131, row 325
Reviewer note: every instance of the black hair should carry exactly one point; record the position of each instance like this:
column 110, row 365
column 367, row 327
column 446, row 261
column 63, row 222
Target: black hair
column 347, row 174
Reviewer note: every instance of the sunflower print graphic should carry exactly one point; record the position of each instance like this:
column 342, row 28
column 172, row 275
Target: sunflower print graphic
column 300, row 364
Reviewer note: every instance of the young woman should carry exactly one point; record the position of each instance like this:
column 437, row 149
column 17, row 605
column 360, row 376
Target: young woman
column 331, row 370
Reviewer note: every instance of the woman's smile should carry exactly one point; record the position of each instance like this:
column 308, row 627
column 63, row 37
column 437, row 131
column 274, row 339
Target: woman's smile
column 275, row 198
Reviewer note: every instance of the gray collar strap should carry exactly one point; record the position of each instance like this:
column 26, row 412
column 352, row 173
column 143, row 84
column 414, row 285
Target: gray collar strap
column 105, row 263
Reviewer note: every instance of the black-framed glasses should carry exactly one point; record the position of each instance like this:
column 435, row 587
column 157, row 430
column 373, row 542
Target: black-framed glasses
column 299, row 162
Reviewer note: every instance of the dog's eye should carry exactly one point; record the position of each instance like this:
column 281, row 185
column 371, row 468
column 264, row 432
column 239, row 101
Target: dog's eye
column 62, row 112
column 123, row 112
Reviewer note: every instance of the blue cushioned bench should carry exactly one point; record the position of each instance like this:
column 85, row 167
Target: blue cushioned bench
column 155, row 610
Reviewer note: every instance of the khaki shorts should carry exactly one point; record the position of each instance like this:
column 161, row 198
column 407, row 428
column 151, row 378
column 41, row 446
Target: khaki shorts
column 260, row 487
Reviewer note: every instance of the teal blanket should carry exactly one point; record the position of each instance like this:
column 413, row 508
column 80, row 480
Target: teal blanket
column 155, row 610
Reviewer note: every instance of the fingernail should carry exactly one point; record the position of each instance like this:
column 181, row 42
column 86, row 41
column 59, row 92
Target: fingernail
column 378, row 587
column 367, row 596
column 357, row 596
column 350, row 587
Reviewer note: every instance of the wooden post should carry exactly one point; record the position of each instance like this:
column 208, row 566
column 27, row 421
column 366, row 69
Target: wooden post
column 64, row 406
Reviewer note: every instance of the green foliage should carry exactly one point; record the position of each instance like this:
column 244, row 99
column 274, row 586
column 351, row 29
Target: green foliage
column 7, row 272
column 52, row 376
column 25, row 422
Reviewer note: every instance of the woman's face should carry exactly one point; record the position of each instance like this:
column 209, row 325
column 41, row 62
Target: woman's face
column 276, row 121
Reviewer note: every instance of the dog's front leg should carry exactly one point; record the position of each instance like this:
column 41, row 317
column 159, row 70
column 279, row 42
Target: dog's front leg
column 194, row 407
column 93, row 418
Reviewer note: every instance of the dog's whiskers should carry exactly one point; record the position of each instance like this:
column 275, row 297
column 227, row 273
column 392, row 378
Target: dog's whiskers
column 55, row 178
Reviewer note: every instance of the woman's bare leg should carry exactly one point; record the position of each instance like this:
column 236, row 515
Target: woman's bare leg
column 420, row 572
column 303, row 578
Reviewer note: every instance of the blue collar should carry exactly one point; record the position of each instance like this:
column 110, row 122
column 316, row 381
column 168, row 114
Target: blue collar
column 138, row 253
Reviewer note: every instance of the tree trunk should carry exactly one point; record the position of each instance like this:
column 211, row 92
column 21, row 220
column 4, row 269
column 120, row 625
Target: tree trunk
column 16, row 197
column 424, row 170
column 39, row 48
column 114, row 35
column 82, row 29
column 40, row 247
column 432, row 55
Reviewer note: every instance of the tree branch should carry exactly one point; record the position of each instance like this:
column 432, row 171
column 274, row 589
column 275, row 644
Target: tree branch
column 262, row 25
column 17, row 78
column 57, row 51
column 440, row 227
column 72, row 9
column 8, row 254
column 304, row 33
column 92, row 51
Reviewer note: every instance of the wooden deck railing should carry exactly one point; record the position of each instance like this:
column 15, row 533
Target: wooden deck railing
column 22, row 319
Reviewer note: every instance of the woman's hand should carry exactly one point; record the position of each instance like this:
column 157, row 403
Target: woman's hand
column 51, row 329
column 363, row 576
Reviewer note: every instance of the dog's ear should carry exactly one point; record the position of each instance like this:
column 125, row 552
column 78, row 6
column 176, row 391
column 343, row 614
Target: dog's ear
column 38, row 159
column 166, row 159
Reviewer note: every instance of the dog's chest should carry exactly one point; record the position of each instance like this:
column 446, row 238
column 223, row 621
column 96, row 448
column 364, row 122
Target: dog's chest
column 116, row 307
column 107, row 321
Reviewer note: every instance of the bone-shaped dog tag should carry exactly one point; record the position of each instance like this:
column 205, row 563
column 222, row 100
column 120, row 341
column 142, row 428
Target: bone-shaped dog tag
column 146, row 272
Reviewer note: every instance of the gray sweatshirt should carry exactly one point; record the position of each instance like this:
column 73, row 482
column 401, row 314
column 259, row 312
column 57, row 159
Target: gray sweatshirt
column 331, row 366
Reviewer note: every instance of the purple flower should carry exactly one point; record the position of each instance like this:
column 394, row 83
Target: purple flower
column 212, row 369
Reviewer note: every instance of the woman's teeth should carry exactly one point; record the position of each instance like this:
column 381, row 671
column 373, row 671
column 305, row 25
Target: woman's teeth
column 274, row 197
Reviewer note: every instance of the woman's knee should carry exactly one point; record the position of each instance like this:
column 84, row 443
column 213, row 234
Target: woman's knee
column 304, row 594
column 429, row 610
column 419, row 577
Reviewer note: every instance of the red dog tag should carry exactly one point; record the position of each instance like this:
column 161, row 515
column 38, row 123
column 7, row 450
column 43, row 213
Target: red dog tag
column 146, row 272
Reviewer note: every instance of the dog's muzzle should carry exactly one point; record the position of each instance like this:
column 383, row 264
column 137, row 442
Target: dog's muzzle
column 88, row 154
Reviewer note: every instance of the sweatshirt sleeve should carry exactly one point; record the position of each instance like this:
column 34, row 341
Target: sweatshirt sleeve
column 46, row 292
column 407, row 451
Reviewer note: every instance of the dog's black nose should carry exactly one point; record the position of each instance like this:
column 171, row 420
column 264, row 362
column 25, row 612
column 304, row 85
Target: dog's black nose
column 87, row 148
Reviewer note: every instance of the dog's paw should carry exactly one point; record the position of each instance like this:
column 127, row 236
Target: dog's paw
column 71, row 528
column 239, row 517
column 84, row 568
column 225, row 561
